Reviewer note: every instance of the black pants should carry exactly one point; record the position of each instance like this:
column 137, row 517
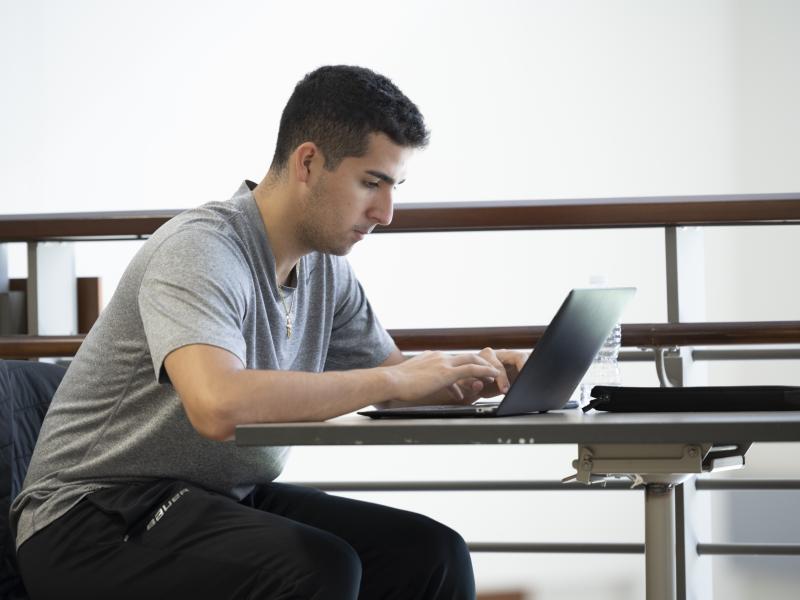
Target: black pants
column 176, row 540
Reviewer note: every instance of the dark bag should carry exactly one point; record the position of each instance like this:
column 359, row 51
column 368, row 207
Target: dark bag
column 694, row 399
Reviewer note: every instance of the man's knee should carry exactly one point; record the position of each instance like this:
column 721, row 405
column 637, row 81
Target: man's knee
column 337, row 569
column 323, row 567
column 444, row 545
column 442, row 556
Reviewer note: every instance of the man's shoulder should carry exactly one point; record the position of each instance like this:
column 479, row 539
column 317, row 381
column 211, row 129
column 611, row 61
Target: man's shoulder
column 211, row 218
column 235, row 217
column 209, row 227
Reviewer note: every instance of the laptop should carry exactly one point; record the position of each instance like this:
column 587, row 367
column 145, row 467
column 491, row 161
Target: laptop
column 555, row 367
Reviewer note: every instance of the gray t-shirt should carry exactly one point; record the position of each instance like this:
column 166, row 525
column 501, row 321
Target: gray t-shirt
column 205, row 277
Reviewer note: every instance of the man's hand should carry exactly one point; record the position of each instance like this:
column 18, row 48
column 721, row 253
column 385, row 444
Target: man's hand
column 508, row 362
column 425, row 374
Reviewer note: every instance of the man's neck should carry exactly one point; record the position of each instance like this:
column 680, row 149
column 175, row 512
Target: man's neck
column 275, row 205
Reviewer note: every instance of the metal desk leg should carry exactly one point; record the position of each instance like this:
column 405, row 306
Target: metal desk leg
column 659, row 541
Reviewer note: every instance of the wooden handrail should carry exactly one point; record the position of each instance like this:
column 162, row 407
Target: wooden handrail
column 590, row 214
column 752, row 209
column 637, row 335
column 469, row 338
column 39, row 346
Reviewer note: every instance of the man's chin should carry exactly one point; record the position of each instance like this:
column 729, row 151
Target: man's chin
column 341, row 251
column 342, row 248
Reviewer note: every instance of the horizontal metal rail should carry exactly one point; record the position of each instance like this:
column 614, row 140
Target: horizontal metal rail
column 748, row 549
column 701, row 483
column 746, row 484
column 750, row 354
column 752, row 209
column 641, row 355
column 557, row 548
column 462, row 486
column 703, row 549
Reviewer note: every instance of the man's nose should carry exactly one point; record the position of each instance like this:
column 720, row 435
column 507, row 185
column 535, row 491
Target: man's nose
column 383, row 209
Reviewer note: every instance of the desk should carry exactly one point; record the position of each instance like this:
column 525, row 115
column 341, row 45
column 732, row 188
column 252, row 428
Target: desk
column 660, row 449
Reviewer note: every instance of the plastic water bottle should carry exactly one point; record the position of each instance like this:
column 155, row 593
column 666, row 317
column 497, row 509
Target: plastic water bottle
column 605, row 366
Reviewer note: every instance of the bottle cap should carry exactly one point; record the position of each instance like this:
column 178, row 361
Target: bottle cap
column 598, row 280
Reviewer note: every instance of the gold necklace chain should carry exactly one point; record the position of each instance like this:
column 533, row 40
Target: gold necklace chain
column 288, row 310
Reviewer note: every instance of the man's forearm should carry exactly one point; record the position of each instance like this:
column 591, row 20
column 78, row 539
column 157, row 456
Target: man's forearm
column 259, row 396
column 218, row 393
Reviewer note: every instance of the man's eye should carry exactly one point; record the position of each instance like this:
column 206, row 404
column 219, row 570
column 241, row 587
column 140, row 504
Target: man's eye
column 372, row 184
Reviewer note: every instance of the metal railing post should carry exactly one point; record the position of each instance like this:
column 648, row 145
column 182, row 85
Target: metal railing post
column 686, row 302
column 686, row 298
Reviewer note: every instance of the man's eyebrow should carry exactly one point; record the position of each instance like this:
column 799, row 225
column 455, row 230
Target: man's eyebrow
column 384, row 177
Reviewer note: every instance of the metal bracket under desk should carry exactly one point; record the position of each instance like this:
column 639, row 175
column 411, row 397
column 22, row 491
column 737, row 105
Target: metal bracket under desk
column 657, row 467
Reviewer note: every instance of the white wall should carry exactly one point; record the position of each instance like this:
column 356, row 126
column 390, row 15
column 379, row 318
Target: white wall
column 153, row 104
column 112, row 105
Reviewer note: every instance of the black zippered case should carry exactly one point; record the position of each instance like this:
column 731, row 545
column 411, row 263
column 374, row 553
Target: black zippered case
column 694, row 399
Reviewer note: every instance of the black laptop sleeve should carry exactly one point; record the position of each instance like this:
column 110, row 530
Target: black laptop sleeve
column 694, row 399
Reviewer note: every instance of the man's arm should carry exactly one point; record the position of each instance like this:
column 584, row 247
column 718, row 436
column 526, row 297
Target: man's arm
column 218, row 393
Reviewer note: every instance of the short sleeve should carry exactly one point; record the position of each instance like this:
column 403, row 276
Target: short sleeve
column 358, row 340
column 194, row 290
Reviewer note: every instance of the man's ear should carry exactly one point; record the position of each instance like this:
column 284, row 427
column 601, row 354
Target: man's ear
column 306, row 159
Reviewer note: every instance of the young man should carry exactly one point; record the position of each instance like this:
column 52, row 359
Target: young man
column 238, row 312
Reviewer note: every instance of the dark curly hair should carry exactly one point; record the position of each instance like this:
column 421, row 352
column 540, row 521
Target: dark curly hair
column 337, row 107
